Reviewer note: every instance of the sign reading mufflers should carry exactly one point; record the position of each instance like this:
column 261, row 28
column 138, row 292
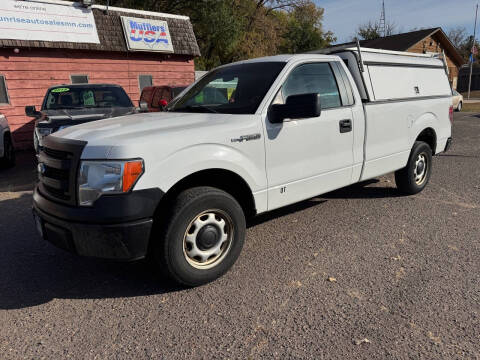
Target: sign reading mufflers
column 23, row 20
column 147, row 35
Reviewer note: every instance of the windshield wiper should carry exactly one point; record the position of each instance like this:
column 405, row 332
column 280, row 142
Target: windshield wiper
column 69, row 107
column 196, row 107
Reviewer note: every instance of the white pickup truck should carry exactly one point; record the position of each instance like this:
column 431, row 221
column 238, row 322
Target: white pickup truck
column 245, row 139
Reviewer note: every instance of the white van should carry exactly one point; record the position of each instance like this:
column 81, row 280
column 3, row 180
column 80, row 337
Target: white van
column 178, row 185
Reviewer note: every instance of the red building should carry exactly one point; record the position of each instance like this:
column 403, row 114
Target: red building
column 124, row 56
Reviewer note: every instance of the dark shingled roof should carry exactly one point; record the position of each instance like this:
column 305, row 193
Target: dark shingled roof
column 112, row 38
column 398, row 42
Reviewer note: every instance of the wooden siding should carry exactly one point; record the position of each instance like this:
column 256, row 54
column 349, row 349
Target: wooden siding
column 112, row 38
column 29, row 74
column 432, row 45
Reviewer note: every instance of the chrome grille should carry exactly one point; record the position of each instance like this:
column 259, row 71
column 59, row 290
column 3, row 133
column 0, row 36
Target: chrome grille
column 57, row 168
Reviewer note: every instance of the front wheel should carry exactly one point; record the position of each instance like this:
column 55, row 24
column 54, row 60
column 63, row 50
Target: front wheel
column 201, row 239
column 415, row 176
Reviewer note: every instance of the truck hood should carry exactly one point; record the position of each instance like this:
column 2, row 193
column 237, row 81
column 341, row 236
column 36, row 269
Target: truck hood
column 69, row 117
column 111, row 131
column 161, row 133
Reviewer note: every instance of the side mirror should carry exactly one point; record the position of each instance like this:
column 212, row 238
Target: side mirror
column 31, row 111
column 144, row 106
column 296, row 107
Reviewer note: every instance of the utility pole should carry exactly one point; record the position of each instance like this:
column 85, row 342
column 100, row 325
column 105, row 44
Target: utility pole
column 471, row 53
column 383, row 23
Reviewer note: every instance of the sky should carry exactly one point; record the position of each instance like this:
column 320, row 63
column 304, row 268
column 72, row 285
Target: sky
column 343, row 16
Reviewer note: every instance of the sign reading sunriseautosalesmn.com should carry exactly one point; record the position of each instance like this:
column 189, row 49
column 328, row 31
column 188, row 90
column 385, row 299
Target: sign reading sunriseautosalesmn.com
column 147, row 35
column 24, row 20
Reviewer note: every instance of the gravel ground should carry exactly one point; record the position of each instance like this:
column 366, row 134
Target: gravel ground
column 357, row 273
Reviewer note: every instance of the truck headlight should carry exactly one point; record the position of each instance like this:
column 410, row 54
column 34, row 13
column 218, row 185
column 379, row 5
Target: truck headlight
column 42, row 132
column 97, row 178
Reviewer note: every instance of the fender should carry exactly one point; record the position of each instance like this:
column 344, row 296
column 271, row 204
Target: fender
column 436, row 119
column 192, row 159
column 426, row 120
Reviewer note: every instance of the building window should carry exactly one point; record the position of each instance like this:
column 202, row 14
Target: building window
column 145, row 81
column 3, row 91
column 79, row 79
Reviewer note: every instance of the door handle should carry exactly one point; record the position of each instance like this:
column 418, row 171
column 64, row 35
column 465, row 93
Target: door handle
column 345, row 126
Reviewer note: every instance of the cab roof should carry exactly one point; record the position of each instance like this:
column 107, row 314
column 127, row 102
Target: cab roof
column 287, row 58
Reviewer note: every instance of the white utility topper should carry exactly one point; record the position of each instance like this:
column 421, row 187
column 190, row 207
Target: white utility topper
column 246, row 138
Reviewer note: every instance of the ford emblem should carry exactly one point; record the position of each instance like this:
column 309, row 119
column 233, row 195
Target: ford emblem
column 41, row 168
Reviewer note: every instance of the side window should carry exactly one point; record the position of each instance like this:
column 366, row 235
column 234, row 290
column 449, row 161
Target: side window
column 3, row 91
column 146, row 96
column 160, row 94
column 313, row 78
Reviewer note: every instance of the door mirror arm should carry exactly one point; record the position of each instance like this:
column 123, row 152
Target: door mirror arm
column 31, row 111
column 143, row 106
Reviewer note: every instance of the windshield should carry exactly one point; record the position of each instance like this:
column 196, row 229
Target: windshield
column 86, row 97
column 234, row 89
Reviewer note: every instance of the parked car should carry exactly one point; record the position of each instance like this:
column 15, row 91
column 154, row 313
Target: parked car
column 68, row 105
column 157, row 97
column 457, row 99
column 7, row 150
column 178, row 185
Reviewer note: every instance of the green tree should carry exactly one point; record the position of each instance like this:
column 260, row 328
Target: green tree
column 304, row 30
column 218, row 30
column 230, row 30
column 464, row 43
column 372, row 30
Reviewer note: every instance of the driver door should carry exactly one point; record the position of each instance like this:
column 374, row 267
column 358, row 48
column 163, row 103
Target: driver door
column 308, row 157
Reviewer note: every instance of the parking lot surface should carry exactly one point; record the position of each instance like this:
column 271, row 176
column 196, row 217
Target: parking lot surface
column 357, row 273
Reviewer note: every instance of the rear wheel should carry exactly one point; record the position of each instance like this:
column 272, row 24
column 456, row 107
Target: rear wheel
column 415, row 176
column 8, row 159
column 201, row 239
column 459, row 106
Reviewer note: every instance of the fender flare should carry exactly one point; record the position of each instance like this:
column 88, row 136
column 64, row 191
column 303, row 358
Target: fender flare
column 422, row 123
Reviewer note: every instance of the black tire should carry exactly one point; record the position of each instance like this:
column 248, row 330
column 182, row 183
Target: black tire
column 459, row 106
column 171, row 249
column 8, row 159
column 409, row 181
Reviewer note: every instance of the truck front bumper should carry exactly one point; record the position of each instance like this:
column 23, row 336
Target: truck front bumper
column 118, row 227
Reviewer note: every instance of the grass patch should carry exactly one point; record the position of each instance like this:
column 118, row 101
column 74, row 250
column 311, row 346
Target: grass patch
column 474, row 107
column 474, row 94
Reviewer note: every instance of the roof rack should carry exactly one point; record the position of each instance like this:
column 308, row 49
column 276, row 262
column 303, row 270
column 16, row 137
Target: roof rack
column 390, row 52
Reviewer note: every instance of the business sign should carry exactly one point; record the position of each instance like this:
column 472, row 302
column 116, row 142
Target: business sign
column 147, row 35
column 23, row 20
